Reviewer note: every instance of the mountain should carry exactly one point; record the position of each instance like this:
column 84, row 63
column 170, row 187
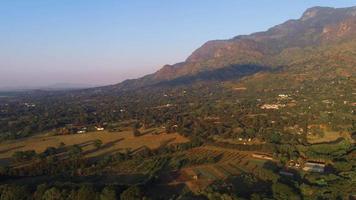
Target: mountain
column 66, row 86
column 281, row 45
column 56, row 86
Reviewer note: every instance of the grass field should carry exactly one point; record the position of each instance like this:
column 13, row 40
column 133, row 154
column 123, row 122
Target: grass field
column 112, row 142
column 328, row 136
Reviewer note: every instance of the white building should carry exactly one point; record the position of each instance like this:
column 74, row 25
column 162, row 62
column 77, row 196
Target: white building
column 99, row 128
column 314, row 167
column 272, row 106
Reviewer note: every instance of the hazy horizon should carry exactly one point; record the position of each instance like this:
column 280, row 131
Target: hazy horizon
column 90, row 43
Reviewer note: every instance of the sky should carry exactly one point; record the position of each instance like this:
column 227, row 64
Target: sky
column 46, row 42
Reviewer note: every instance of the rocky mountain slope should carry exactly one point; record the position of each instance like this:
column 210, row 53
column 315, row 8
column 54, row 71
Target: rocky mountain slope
column 316, row 35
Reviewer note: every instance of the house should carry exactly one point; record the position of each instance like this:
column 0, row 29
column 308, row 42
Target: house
column 272, row 106
column 312, row 166
column 240, row 88
column 81, row 131
column 28, row 105
column 76, row 128
column 99, row 128
column 283, row 96
column 195, row 175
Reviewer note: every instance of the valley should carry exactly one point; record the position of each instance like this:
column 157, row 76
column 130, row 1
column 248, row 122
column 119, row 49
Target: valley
column 270, row 115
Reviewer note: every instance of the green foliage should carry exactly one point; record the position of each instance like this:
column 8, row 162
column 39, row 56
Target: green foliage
column 53, row 194
column 86, row 192
column 108, row 193
column 204, row 107
column 13, row 192
column 284, row 192
column 20, row 156
column 335, row 150
column 75, row 151
column 275, row 138
column 343, row 166
column 98, row 143
column 50, row 151
column 132, row 193
column 40, row 190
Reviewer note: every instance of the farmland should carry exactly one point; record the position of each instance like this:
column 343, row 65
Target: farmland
column 230, row 163
column 112, row 142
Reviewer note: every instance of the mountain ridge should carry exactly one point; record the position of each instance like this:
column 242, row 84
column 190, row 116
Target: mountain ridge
column 318, row 26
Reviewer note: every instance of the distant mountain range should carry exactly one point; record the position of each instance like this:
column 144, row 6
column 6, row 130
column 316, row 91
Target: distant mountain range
column 56, row 86
column 322, row 34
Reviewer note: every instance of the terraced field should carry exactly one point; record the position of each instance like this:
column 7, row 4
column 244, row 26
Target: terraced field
column 230, row 163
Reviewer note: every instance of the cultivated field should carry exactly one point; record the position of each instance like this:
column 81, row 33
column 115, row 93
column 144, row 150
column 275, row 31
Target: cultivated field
column 231, row 162
column 112, row 142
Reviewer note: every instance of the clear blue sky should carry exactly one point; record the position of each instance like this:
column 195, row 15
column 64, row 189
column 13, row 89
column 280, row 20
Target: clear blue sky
column 43, row 42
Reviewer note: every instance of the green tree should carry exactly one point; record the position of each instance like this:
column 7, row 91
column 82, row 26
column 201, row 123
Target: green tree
column 12, row 192
column 131, row 193
column 50, row 151
column 108, row 193
column 284, row 192
column 75, row 151
column 40, row 190
column 136, row 132
column 86, row 192
column 52, row 194
column 275, row 138
column 98, row 143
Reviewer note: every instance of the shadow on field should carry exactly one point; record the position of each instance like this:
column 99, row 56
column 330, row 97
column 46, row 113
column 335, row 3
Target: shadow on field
column 140, row 149
column 85, row 144
column 105, row 146
column 10, row 149
column 107, row 153
column 147, row 132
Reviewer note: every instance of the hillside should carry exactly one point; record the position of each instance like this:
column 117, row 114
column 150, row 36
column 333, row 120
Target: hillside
column 303, row 40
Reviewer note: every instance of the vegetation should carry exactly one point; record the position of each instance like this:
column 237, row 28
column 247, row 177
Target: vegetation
column 251, row 125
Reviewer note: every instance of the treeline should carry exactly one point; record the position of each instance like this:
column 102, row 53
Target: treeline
column 70, row 161
column 70, row 191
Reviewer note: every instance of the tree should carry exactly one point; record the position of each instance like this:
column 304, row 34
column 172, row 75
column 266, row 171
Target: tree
column 275, row 138
column 98, row 143
column 24, row 155
column 131, row 193
column 61, row 145
column 136, row 132
column 75, row 151
column 50, row 151
column 52, row 194
column 108, row 193
column 86, row 193
column 251, row 133
column 40, row 190
column 284, row 192
column 4, row 170
column 12, row 192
